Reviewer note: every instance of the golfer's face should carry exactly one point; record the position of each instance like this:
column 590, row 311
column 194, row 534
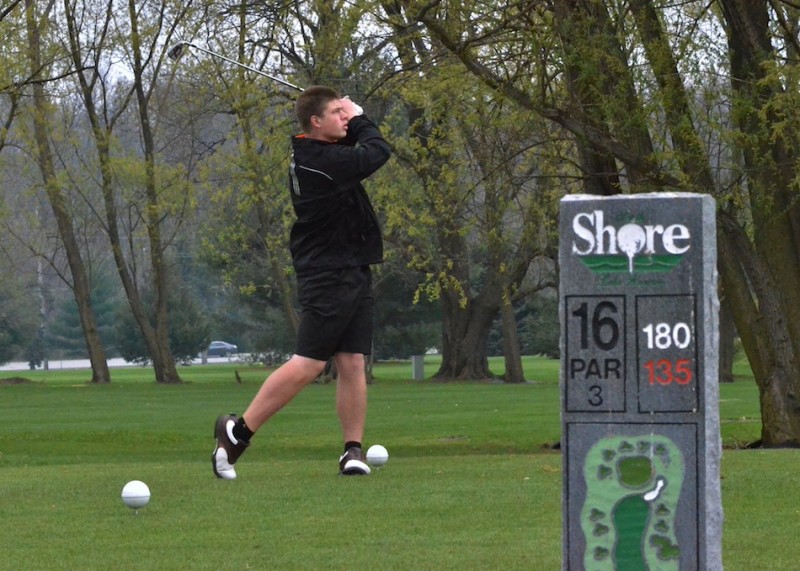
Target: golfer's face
column 333, row 122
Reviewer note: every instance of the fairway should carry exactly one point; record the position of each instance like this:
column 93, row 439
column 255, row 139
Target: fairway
column 470, row 482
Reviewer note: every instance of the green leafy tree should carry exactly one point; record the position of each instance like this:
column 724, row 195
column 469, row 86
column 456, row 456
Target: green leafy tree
column 402, row 328
column 65, row 332
column 42, row 66
column 19, row 323
column 189, row 331
column 470, row 211
column 540, row 330
column 620, row 81
column 245, row 178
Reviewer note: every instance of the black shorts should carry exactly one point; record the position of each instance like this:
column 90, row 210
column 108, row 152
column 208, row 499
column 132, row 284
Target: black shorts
column 336, row 313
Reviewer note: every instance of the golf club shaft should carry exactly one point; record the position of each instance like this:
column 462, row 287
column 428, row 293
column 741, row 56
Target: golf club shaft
column 175, row 52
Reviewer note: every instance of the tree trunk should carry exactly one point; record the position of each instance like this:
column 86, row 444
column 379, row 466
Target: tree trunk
column 81, row 287
column 465, row 334
column 575, row 29
column 287, row 294
column 157, row 338
column 596, row 71
column 102, row 136
column 727, row 342
column 511, row 347
column 767, row 313
column 764, row 330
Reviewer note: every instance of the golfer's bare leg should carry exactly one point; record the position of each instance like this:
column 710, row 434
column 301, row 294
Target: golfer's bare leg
column 351, row 395
column 281, row 387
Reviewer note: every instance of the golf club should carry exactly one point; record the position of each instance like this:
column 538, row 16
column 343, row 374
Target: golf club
column 176, row 51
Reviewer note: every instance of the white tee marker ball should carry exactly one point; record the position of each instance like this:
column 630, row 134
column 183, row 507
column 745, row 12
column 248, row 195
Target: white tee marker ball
column 135, row 494
column 377, row 455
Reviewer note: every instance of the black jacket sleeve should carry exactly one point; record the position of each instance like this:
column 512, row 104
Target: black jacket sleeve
column 362, row 152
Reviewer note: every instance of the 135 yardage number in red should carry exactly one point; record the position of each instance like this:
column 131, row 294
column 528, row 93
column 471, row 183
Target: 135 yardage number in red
column 666, row 372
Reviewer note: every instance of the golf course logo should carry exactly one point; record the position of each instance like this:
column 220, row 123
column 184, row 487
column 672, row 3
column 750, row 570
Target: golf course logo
column 631, row 247
column 633, row 485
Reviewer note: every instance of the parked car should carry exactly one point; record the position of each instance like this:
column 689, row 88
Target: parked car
column 221, row 349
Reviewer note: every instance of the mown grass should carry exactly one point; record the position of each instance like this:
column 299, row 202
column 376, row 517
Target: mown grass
column 471, row 482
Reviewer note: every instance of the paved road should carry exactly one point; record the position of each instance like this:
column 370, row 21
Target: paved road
column 84, row 363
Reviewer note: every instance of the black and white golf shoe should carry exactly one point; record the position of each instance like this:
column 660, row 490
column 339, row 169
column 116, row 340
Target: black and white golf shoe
column 352, row 463
column 227, row 449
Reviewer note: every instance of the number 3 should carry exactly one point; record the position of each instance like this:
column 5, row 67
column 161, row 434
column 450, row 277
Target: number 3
column 596, row 399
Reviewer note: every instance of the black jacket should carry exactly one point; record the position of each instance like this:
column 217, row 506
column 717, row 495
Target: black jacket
column 336, row 225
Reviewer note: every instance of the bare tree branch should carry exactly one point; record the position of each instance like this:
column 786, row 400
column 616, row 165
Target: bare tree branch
column 7, row 10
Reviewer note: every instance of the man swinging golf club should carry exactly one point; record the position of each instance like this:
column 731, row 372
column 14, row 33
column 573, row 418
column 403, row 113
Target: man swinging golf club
column 333, row 242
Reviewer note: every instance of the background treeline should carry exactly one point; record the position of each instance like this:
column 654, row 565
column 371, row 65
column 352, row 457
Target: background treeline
column 151, row 194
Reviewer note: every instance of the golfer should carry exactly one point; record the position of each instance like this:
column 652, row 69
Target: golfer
column 333, row 242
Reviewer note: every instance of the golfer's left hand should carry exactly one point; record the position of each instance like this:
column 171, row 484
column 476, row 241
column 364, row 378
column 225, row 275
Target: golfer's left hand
column 351, row 108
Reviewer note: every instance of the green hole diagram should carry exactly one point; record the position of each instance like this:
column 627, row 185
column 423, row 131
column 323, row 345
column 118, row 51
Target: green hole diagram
column 633, row 484
column 619, row 264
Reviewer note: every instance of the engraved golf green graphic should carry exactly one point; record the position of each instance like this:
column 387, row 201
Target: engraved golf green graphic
column 615, row 264
column 633, row 485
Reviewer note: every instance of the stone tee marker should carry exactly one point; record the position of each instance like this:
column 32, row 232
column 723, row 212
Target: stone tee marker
column 639, row 379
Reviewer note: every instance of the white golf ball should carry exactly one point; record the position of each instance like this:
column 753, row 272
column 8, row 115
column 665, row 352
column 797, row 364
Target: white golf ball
column 377, row 455
column 135, row 494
